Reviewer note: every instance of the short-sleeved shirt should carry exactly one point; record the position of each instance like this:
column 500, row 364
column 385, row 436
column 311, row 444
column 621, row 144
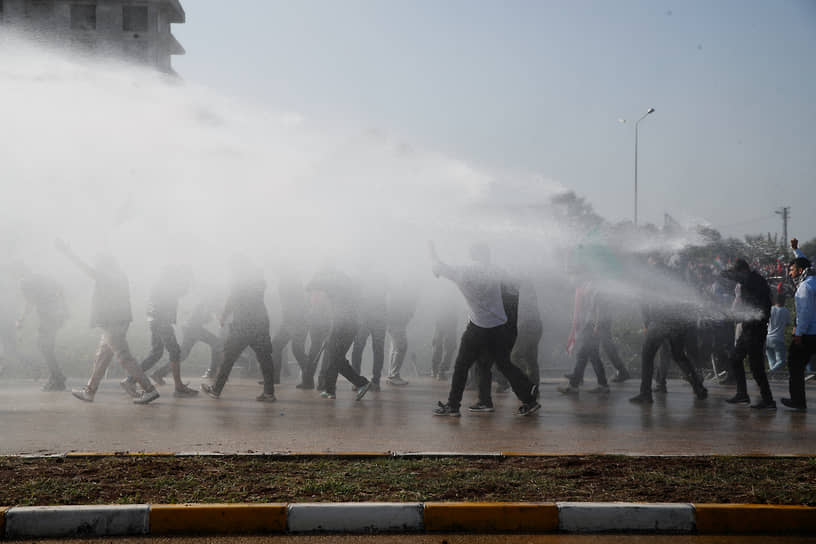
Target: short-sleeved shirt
column 481, row 287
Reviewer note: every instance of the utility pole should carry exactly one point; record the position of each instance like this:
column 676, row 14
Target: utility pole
column 784, row 212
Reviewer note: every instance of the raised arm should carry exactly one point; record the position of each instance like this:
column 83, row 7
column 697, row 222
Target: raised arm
column 795, row 247
column 437, row 266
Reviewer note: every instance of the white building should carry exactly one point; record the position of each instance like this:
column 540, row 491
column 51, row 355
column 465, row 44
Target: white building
column 136, row 30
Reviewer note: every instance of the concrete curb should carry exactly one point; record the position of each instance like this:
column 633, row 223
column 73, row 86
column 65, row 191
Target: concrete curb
column 168, row 519
column 754, row 518
column 491, row 517
column 67, row 521
column 589, row 517
column 359, row 517
column 566, row 517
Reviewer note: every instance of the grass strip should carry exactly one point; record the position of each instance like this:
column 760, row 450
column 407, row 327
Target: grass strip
column 233, row 479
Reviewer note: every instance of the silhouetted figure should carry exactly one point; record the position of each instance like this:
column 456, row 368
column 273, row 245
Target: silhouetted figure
column 666, row 320
column 193, row 331
column 110, row 311
column 402, row 301
column 485, row 335
column 373, row 323
column 344, row 297
column 162, row 310
column 248, row 319
column 754, row 305
column 294, row 327
column 43, row 294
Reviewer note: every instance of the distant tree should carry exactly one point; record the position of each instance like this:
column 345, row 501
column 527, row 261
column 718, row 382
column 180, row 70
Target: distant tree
column 709, row 234
column 575, row 209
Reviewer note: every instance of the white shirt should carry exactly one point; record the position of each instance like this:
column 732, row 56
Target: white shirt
column 481, row 287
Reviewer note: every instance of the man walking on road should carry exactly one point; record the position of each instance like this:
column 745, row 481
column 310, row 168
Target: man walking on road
column 803, row 341
column 484, row 336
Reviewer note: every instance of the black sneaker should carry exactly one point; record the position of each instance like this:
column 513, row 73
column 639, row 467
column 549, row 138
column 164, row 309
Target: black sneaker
column 446, row 410
column 528, row 408
column 643, row 398
column 305, row 385
column 210, row 390
column 764, row 405
column 266, row 397
column 790, row 405
column 739, row 399
column 660, row 388
column 362, row 390
column 481, row 407
column 375, row 387
column 701, row 392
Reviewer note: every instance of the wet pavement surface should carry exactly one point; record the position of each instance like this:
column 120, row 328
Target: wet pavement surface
column 398, row 419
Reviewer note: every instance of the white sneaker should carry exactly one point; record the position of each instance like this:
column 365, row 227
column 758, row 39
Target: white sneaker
column 129, row 385
column 83, row 394
column 146, row 397
column 567, row 389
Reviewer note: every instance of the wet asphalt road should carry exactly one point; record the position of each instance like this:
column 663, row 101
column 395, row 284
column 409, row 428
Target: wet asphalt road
column 397, row 419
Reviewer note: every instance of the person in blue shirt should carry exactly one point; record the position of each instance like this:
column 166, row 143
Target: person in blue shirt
column 803, row 341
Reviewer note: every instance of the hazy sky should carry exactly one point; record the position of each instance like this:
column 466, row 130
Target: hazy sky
column 539, row 87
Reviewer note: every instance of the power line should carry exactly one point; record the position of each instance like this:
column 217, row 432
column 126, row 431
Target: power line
column 745, row 222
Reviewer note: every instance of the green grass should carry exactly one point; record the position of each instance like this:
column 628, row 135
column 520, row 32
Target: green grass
column 232, row 479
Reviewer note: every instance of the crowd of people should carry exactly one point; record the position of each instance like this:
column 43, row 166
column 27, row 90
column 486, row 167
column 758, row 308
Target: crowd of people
column 736, row 315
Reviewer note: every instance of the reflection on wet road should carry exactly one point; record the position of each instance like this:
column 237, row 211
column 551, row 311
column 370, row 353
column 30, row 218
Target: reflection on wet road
column 397, row 419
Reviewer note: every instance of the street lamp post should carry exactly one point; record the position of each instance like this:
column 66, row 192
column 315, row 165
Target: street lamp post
column 649, row 111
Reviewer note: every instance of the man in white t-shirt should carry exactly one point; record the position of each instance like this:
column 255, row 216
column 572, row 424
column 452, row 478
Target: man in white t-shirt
column 480, row 284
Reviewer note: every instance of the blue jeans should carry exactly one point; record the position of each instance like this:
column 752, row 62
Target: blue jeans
column 776, row 352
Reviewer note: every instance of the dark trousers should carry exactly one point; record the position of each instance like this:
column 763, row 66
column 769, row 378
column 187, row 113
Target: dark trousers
column 190, row 337
column 296, row 334
column 798, row 357
column 751, row 343
column 588, row 350
column 376, row 330
column 444, row 347
column 46, row 342
column 608, row 345
column 237, row 341
column 525, row 352
column 490, row 345
column 339, row 342
column 318, row 335
column 676, row 335
column 162, row 336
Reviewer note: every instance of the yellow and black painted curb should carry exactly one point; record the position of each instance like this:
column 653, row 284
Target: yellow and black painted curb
column 431, row 517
